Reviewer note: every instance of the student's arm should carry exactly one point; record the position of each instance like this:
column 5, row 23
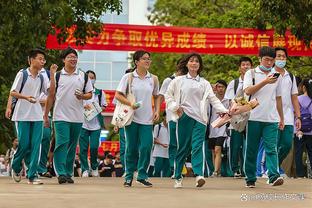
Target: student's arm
column 279, row 106
column 255, row 88
column 8, row 110
column 157, row 108
column 51, row 95
column 295, row 102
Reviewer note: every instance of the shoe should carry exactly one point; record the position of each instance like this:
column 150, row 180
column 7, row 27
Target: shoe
column 178, row 183
column 35, row 181
column 17, row 177
column 144, row 182
column 237, row 175
column 200, row 181
column 250, row 184
column 85, row 174
column 69, row 180
column 128, row 183
column 95, row 173
column 216, row 175
column 46, row 175
column 61, row 179
column 277, row 182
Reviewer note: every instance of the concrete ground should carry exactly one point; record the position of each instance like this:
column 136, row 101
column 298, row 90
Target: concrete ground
column 109, row 192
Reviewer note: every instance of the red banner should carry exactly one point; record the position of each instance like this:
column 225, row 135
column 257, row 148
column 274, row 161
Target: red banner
column 111, row 146
column 121, row 37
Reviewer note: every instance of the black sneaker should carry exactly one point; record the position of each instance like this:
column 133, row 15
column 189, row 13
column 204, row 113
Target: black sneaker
column 144, row 183
column 61, row 179
column 128, row 183
column 250, row 184
column 69, row 180
column 46, row 175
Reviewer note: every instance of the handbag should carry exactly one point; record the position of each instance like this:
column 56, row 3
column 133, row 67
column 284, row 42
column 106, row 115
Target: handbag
column 123, row 114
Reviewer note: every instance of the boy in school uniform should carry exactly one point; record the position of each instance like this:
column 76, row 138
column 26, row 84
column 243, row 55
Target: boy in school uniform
column 28, row 116
column 69, row 88
column 263, row 84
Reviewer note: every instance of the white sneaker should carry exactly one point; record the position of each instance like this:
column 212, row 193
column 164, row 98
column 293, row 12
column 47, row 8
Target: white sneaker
column 95, row 173
column 35, row 181
column 85, row 174
column 178, row 183
column 17, row 177
column 200, row 181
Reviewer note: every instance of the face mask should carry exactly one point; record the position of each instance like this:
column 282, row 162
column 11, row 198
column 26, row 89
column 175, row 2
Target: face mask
column 280, row 63
column 264, row 68
column 93, row 81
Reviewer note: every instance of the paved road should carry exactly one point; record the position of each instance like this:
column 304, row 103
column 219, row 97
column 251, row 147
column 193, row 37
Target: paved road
column 109, row 193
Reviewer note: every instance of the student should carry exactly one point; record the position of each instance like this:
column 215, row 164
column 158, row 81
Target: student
column 118, row 165
column 69, row 88
column 291, row 107
column 160, row 152
column 237, row 141
column 217, row 136
column 91, row 130
column 139, row 134
column 266, row 119
column 28, row 116
column 106, row 168
column 187, row 98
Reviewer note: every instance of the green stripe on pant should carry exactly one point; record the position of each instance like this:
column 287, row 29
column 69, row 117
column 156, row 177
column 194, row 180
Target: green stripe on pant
column 139, row 142
column 190, row 136
column 268, row 131
column 66, row 138
column 172, row 143
column 29, row 138
column 89, row 137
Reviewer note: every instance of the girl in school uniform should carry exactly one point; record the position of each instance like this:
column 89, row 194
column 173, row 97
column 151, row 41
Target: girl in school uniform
column 188, row 98
column 139, row 134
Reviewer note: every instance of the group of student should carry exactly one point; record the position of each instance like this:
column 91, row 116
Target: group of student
column 188, row 98
column 191, row 105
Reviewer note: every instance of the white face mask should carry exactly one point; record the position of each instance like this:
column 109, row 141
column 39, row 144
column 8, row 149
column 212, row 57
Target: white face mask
column 93, row 81
column 280, row 63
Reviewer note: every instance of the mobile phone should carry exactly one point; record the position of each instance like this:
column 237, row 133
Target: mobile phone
column 276, row 75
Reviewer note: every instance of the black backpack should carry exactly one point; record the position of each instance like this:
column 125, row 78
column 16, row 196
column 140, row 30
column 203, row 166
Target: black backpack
column 57, row 79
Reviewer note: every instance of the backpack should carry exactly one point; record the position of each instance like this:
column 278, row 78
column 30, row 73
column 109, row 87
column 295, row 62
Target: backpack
column 24, row 79
column 159, row 127
column 306, row 120
column 58, row 75
column 99, row 116
column 236, row 83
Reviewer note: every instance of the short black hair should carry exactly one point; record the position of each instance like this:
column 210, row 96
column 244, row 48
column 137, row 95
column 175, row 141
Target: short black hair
column 34, row 52
column 281, row 49
column 109, row 156
column 92, row 72
column 244, row 59
column 221, row 81
column 267, row 51
column 67, row 51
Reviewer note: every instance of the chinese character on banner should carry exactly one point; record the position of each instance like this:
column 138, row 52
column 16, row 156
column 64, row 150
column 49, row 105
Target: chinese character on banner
column 90, row 40
column 151, row 38
column 104, row 38
column 293, row 43
column 166, row 39
column 71, row 39
column 135, row 38
column 230, row 41
column 114, row 147
column 263, row 40
column 199, row 40
column 279, row 41
column 119, row 37
column 247, row 41
column 183, row 40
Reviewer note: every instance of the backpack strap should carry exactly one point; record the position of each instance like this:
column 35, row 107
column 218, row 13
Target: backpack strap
column 292, row 80
column 57, row 79
column 48, row 73
column 253, row 79
column 130, row 80
column 85, row 81
column 172, row 77
column 100, row 94
column 41, row 81
column 159, row 127
column 236, row 83
column 25, row 76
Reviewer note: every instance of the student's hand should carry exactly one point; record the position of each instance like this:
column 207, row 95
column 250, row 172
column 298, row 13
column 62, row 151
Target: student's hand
column 281, row 125
column 31, row 99
column 298, row 124
column 134, row 106
column 165, row 145
column 180, row 112
column 46, row 122
column 8, row 113
column 116, row 129
column 79, row 97
column 155, row 116
column 53, row 68
column 87, row 107
column 270, row 79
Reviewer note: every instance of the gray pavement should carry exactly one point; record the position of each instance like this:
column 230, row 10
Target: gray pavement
column 109, row 192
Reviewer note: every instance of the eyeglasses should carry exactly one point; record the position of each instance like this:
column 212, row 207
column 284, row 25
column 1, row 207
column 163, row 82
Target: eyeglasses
column 71, row 58
column 146, row 59
column 268, row 59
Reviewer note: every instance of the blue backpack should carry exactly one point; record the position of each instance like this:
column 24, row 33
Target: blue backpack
column 306, row 120
column 25, row 76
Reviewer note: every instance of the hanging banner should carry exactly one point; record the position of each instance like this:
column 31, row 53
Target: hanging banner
column 169, row 39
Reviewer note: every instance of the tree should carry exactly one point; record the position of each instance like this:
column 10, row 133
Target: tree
column 25, row 24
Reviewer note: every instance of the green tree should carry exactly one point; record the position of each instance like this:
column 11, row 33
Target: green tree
column 25, row 24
